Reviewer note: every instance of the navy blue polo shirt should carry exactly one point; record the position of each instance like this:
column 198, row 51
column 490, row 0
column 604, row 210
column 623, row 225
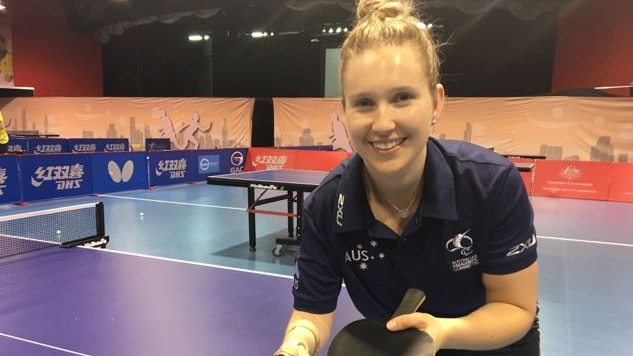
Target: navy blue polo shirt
column 475, row 217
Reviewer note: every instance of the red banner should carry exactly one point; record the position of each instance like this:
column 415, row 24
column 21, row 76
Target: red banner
column 571, row 179
column 260, row 159
column 621, row 188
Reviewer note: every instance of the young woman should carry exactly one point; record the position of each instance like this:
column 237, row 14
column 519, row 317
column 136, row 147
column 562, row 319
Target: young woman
column 447, row 217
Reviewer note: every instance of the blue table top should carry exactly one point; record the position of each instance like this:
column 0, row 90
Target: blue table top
column 287, row 177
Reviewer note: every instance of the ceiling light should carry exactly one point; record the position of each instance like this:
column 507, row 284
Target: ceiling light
column 199, row 37
column 258, row 34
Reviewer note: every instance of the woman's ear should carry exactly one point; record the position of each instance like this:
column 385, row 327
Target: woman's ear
column 440, row 96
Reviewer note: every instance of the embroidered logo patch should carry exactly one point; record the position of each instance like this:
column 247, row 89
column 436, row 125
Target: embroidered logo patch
column 463, row 244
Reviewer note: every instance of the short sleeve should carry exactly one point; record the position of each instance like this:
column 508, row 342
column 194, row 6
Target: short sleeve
column 317, row 277
column 511, row 244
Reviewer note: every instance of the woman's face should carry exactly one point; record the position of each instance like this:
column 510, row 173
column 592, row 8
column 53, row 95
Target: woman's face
column 389, row 108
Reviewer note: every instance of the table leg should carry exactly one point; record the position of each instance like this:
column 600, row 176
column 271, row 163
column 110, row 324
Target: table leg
column 251, row 220
column 299, row 214
column 290, row 218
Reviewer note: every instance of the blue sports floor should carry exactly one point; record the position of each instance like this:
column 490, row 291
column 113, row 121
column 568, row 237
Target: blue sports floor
column 585, row 252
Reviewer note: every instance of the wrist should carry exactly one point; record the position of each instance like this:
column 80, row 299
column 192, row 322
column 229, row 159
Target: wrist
column 451, row 332
column 304, row 333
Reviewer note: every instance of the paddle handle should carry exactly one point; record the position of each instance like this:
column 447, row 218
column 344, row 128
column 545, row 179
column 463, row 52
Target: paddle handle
column 410, row 303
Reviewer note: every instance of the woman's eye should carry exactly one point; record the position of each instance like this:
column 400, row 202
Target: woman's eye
column 363, row 103
column 402, row 97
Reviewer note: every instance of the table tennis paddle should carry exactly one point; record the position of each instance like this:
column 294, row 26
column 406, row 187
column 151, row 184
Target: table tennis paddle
column 371, row 336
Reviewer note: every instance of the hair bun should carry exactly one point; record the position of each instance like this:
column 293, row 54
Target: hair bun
column 383, row 9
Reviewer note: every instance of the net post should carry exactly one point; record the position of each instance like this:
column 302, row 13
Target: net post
column 100, row 219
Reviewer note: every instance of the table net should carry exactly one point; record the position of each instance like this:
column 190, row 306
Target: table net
column 66, row 227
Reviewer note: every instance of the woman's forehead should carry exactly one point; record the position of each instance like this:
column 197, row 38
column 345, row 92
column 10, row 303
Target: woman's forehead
column 387, row 61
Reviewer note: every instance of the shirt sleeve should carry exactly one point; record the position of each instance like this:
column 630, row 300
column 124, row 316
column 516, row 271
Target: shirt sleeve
column 317, row 277
column 512, row 236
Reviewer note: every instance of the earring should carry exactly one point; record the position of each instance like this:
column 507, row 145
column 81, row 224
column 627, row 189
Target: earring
column 433, row 120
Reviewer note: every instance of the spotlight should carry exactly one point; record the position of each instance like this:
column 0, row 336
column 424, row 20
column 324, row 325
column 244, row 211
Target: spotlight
column 198, row 37
column 260, row 34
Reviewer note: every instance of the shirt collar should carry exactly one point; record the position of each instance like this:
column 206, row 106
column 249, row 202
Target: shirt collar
column 438, row 200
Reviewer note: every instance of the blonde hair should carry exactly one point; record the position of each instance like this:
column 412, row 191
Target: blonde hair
column 390, row 22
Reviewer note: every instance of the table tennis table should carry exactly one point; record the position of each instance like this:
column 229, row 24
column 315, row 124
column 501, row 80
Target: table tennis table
column 524, row 166
column 524, row 155
column 89, row 301
column 295, row 183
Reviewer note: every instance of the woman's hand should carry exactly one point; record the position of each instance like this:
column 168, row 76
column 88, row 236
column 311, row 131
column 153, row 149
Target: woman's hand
column 423, row 322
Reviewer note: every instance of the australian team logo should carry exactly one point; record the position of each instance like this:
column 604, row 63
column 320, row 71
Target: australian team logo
column 463, row 244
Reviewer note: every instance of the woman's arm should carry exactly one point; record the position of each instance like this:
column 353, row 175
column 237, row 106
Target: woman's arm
column 505, row 318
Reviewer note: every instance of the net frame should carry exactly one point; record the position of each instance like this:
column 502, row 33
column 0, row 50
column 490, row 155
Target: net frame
column 30, row 231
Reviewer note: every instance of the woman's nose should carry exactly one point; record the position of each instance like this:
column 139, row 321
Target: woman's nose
column 384, row 119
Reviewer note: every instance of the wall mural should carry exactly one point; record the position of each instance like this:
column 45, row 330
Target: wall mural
column 563, row 128
column 189, row 123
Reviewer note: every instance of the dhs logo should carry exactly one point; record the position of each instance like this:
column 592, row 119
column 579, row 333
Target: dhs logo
column 115, row 147
column 17, row 148
column 56, row 148
column 176, row 168
column 84, row 147
column 65, row 177
column 237, row 160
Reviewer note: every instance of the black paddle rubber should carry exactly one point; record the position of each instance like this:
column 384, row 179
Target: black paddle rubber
column 370, row 337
